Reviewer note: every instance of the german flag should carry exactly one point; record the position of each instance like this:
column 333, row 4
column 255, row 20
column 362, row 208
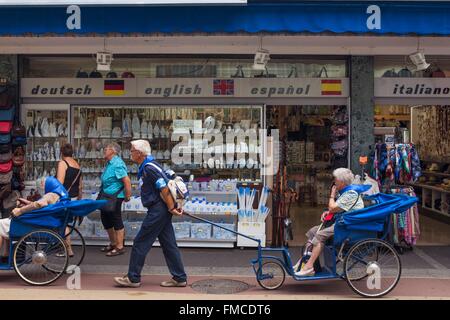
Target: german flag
column 114, row 88
column 331, row 87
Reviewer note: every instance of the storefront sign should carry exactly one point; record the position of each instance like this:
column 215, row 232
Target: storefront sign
column 77, row 88
column 243, row 88
column 186, row 88
column 412, row 87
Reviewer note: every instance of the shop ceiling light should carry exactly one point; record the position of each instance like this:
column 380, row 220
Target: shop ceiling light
column 418, row 58
column 104, row 60
column 262, row 56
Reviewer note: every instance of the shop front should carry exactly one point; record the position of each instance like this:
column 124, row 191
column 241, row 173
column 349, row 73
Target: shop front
column 411, row 109
column 187, row 84
column 221, row 134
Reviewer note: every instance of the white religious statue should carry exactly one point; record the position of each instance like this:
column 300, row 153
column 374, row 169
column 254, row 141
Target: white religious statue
column 156, row 131
column 126, row 126
column 136, row 126
column 36, row 128
column 144, row 129
column 150, row 131
column 45, row 128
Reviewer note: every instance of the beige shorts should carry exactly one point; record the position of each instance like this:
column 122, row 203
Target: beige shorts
column 321, row 236
column 4, row 227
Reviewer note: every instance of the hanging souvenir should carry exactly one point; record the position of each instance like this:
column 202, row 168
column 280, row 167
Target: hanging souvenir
column 126, row 126
column 52, row 130
column 45, row 128
column 136, row 126
column 37, row 132
column 156, row 131
column 144, row 129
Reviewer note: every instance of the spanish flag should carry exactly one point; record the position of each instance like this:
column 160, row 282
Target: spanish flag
column 331, row 87
column 114, row 88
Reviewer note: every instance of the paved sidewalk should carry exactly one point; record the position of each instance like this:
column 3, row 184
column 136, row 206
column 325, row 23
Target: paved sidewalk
column 428, row 262
column 426, row 275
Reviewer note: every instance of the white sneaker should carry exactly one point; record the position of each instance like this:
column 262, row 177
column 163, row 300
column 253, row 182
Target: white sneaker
column 305, row 272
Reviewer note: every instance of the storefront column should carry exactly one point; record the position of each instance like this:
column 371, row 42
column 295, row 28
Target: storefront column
column 361, row 108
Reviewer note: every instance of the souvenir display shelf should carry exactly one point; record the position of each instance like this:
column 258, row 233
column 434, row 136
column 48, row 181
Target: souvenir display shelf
column 96, row 126
column 47, row 131
column 434, row 186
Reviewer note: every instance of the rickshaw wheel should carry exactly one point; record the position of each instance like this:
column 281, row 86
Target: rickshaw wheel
column 271, row 276
column 35, row 260
column 79, row 254
column 377, row 262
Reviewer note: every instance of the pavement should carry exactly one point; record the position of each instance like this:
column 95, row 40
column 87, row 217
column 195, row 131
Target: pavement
column 425, row 275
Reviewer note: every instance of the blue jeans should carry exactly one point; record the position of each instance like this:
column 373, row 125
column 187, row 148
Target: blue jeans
column 157, row 224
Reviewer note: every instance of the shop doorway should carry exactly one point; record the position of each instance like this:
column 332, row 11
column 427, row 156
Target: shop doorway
column 427, row 128
column 314, row 141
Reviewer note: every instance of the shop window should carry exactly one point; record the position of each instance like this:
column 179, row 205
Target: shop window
column 68, row 67
column 401, row 66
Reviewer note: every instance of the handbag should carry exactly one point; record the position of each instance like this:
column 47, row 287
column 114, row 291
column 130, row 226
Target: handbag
column 19, row 130
column 19, row 141
column 5, row 148
column 6, row 99
column 330, row 218
column 5, row 126
column 6, row 167
column 5, row 177
column 5, row 157
column 19, row 157
column 7, row 114
column 5, row 138
column 10, row 202
column 110, row 206
column 322, row 72
column 5, row 191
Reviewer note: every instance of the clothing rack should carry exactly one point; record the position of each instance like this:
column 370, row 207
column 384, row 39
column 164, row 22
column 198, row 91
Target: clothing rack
column 395, row 164
column 405, row 228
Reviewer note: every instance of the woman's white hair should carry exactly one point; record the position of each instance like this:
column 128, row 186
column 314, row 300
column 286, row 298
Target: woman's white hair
column 142, row 146
column 345, row 175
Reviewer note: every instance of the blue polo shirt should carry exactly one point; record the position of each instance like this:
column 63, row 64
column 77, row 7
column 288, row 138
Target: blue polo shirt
column 150, row 188
column 112, row 176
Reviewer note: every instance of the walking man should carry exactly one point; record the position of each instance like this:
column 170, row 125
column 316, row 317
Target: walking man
column 156, row 197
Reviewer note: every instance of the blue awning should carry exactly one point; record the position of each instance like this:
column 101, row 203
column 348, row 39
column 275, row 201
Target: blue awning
column 359, row 17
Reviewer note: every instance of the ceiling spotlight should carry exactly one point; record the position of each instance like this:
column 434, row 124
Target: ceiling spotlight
column 262, row 56
column 418, row 58
column 104, row 60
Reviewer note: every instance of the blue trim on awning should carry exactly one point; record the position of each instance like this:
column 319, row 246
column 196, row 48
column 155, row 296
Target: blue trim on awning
column 400, row 18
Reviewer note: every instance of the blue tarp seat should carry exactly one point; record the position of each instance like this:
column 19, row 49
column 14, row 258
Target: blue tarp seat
column 370, row 221
column 53, row 217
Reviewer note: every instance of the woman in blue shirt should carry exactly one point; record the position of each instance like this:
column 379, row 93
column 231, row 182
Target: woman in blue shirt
column 115, row 180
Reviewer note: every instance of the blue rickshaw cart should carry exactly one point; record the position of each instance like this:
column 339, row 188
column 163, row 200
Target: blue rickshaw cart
column 358, row 252
column 37, row 250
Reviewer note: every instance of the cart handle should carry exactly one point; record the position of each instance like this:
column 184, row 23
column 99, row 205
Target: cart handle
column 216, row 225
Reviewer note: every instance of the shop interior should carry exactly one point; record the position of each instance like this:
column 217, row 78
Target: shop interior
column 314, row 141
column 426, row 126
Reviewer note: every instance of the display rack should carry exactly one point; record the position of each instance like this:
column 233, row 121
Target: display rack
column 434, row 197
column 43, row 152
column 92, row 162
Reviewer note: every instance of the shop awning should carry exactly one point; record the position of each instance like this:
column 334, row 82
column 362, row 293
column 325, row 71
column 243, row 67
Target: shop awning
column 358, row 17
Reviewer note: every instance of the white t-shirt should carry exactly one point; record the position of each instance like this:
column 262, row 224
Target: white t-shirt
column 347, row 201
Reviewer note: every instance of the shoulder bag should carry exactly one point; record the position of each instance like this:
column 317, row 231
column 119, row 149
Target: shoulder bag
column 110, row 206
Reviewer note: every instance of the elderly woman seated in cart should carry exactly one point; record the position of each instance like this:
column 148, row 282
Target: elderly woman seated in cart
column 349, row 199
column 54, row 192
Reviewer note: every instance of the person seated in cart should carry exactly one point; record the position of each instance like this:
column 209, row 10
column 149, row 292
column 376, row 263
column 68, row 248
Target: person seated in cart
column 54, row 192
column 349, row 199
